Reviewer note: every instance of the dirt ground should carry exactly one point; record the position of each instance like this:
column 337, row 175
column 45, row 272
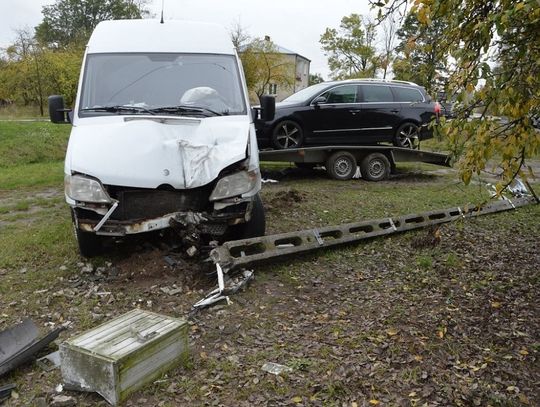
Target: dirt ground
column 438, row 317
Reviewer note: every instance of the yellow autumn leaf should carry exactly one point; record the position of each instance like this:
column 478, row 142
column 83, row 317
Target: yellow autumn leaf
column 496, row 304
column 297, row 399
column 392, row 331
column 374, row 402
column 524, row 352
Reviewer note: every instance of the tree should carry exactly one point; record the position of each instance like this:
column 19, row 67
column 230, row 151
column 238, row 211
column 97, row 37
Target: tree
column 478, row 34
column 264, row 65
column 389, row 33
column 315, row 78
column 239, row 36
column 72, row 21
column 421, row 60
column 351, row 48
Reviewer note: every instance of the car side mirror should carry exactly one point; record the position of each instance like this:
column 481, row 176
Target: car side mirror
column 268, row 108
column 319, row 100
column 57, row 111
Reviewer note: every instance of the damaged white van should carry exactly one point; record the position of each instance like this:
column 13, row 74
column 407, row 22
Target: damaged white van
column 163, row 135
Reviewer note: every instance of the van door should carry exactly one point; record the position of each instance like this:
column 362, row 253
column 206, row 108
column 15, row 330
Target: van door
column 380, row 114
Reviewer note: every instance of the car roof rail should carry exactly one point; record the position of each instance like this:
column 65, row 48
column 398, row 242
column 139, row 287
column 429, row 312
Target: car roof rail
column 383, row 80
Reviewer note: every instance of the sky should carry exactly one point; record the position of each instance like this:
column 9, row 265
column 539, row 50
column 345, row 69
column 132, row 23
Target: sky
column 293, row 24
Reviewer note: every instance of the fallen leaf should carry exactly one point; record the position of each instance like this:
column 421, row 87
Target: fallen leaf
column 523, row 398
column 392, row 332
column 297, row 399
column 496, row 304
column 418, row 358
column 524, row 352
column 374, row 402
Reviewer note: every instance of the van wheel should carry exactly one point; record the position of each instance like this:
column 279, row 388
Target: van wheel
column 255, row 227
column 341, row 165
column 287, row 134
column 407, row 136
column 375, row 167
column 90, row 244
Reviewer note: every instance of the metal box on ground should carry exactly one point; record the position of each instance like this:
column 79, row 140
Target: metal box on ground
column 120, row 356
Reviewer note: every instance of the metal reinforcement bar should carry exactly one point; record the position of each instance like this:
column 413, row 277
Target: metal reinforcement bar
column 243, row 253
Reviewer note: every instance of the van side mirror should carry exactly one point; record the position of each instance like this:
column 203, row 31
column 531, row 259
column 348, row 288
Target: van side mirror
column 57, row 111
column 268, row 108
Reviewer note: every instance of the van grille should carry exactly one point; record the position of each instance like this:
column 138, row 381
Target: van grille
column 151, row 203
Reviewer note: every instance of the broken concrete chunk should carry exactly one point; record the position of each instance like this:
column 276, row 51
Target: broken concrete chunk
column 63, row 401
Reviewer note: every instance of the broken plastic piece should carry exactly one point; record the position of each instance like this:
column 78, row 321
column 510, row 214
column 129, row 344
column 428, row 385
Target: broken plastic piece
column 275, row 368
column 5, row 392
column 22, row 343
column 49, row 362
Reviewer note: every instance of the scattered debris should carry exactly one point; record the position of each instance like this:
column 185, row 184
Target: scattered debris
column 97, row 360
column 223, row 292
column 49, row 362
column 20, row 343
column 63, row 401
column 275, row 368
column 5, row 392
column 269, row 181
column 171, row 291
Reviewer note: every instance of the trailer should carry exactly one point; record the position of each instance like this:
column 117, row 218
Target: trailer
column 376, row 162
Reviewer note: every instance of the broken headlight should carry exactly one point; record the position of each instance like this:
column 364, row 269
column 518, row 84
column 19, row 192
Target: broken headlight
column 84, row 189
column 235, row 184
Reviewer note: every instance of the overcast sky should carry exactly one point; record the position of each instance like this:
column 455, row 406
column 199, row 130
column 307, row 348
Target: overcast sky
column 293, row 24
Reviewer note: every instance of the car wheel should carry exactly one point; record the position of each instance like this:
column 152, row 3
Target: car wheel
column 341, row 165
column 90, row 244
column 287, row 134
column 255, row 227
column 375, row 167
column 407, row 136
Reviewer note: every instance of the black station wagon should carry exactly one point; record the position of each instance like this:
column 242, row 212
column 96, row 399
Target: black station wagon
column 352, row 112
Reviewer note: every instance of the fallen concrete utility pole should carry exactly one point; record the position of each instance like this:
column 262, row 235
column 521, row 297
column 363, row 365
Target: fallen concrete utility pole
column 246, row 252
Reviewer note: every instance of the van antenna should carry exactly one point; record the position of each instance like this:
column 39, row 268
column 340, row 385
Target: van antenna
column 162, row 7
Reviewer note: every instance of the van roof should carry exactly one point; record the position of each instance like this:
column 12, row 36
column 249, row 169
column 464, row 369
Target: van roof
column 152, row 36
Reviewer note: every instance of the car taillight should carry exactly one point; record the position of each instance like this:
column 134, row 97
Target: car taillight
column 437, row 109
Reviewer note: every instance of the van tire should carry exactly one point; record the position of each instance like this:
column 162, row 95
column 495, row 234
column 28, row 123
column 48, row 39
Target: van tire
column 375, row 167
column 90, row 244
column 255, row 227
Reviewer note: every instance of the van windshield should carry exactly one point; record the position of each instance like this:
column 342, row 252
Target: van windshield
column 171, row 84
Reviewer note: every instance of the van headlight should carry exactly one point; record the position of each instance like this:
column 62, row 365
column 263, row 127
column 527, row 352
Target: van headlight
column 84, row 189
column 235, row 184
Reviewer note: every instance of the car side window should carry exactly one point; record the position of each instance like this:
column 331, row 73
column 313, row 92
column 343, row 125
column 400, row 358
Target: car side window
column 377, row 93
column 407, row 95
column 341, row 94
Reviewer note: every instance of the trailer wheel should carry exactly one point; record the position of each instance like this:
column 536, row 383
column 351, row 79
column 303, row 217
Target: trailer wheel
column 341, row 165
column 375, row 167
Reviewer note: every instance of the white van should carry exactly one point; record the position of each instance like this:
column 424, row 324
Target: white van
column 163, row 135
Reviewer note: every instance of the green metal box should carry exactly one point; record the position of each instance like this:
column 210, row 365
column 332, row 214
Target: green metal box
column 122, row 355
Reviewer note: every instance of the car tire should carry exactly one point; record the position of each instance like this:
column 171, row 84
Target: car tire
column 255, row 227
column 287, row 134
column 341, row 165
column 375, row 167
column 407, row 136
column 90, row 244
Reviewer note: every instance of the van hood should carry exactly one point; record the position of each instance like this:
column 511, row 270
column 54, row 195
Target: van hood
column 143, row 152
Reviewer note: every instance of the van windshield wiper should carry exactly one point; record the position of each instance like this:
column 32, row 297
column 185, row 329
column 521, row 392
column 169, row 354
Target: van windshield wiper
column 186, row 109
column 118, row 108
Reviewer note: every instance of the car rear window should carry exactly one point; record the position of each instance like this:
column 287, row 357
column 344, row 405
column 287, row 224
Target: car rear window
column 407, row 95
column 377, row 93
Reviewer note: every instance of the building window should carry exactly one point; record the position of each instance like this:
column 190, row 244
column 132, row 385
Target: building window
column 272, row 89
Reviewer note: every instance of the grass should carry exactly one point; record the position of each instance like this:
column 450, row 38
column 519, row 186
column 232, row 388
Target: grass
column 315, row 313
